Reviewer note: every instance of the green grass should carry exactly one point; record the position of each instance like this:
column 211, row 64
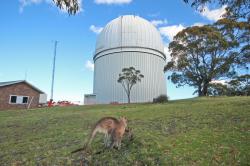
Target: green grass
column 200, row 131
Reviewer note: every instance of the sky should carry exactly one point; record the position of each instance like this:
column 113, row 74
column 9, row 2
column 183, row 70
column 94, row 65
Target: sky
column 28, row 29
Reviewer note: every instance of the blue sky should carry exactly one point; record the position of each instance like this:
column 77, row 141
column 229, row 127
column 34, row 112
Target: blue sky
column 28, row 28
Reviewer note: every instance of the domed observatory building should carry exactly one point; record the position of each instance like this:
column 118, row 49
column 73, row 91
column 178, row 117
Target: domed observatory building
column 129, row 41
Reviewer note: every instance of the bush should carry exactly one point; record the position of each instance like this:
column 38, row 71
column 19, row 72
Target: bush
column 161, row 99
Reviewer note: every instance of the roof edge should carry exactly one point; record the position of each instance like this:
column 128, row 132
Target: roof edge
column 2, row 84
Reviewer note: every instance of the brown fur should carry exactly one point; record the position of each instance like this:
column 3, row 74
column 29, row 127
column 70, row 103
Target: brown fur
column 112, row 128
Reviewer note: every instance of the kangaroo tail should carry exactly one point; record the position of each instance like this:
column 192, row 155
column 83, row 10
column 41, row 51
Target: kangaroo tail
column 77, row 150
column 93, row 133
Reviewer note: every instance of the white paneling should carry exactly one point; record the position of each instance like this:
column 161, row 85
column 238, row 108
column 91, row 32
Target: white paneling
column 19, row 100
column 129, row 31
column 107, row 69
column 43, row 98
column 89, row 99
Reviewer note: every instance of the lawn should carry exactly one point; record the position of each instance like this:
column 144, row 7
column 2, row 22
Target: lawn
column 199, row 131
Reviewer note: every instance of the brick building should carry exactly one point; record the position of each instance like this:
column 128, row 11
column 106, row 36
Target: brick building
column 20, row 95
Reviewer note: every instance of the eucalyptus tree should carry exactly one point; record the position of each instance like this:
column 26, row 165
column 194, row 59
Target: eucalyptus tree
column 234, row 23
column 128, row 78
column 235, row 9
column 240, row 85
column 199, row 55
column 218, row 89
column 71, row 6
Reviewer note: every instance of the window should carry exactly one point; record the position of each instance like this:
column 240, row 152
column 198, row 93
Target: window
column 14, row 99
column 25, row 100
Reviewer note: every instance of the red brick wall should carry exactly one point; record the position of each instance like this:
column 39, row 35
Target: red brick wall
column 20, row 89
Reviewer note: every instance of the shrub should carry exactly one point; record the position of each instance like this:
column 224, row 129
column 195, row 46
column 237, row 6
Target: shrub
column 161, row 99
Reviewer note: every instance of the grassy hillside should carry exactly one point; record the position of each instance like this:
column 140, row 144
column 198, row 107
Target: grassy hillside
column 201, row 131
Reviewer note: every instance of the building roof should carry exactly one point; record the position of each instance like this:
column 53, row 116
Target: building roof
column 129, row 31
column 19, row 81
column 89, row 95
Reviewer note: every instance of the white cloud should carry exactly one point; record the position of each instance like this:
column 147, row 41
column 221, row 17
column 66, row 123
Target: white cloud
column 89, row 65
column 25, row 3
column 159, row 22
column 215, row 14
column 154, row 14
column 109, row 2
column 167, row 53
column 199, row 24
column 223, row 82
column 171, row 31
column 95, row 29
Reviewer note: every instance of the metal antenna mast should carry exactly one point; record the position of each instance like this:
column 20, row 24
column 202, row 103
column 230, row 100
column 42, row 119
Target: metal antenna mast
column 53, row 71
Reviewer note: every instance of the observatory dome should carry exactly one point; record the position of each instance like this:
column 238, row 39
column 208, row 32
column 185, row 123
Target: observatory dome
column 129, row 31
column 129, row 41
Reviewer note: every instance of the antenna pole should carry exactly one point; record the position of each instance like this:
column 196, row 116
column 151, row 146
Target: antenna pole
column 53, row 71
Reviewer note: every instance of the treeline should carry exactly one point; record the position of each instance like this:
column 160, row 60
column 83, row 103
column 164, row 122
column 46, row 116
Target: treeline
column 239, row 86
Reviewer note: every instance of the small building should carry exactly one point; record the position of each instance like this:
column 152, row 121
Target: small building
column 89, row 99
column 20, row 95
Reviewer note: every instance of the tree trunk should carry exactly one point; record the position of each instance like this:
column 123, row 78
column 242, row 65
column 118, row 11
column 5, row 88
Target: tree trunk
column 204, row 89
column 128, row 97
column 199, row 91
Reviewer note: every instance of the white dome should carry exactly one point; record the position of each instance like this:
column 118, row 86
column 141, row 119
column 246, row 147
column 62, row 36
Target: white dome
column 129, row 41
column 129, row 32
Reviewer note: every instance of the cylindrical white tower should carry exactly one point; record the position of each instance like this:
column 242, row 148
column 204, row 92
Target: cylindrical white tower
column 129, row 41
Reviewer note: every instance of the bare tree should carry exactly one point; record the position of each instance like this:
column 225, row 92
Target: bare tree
column 128, row 78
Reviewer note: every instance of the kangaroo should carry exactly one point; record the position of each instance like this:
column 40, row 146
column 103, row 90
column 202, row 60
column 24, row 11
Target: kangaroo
column 113, row 130
column 118, row 132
